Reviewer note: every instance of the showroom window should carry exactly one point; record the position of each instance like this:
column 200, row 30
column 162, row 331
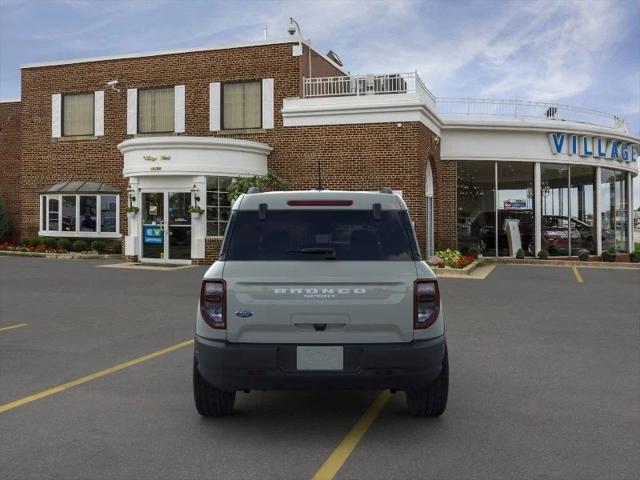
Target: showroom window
column 242, row 105
column 78, row 114
column 477, row 206
column 554, row 235
column 218, row 205
column 515, row 204
column 614, row 210
column 79, row 209
column 156, row 110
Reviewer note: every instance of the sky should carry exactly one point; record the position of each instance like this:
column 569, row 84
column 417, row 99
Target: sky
column 577, row 52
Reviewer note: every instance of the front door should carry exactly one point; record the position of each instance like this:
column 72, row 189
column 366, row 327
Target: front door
column 166, row 227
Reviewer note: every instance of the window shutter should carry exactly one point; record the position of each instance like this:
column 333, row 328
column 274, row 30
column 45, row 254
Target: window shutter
column 178, row 116
column 214, row 106
column 98, row 111
column 132, row 111
column 56, row 115
column 267, row 103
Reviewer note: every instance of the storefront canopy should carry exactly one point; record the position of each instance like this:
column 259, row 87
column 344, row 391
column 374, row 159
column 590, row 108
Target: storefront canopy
column 79, row 187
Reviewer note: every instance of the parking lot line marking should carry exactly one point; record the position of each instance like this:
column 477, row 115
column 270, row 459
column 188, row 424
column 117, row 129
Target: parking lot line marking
column 102, row 373
column 576, row 272
column 11, row 327
column 339, row 456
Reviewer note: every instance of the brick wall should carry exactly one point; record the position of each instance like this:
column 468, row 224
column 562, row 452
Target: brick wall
column 354, row 157
column 10, row 163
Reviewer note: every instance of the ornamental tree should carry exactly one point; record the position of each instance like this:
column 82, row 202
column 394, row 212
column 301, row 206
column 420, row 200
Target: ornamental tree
column 266, row 183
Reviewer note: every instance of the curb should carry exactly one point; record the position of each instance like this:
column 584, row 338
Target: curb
column 64, row 256
column 564, row 263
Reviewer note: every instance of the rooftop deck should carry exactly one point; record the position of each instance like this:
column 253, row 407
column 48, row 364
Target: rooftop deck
column 410, row 83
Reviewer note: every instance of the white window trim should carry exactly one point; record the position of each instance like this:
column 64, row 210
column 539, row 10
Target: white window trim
column 45, row 232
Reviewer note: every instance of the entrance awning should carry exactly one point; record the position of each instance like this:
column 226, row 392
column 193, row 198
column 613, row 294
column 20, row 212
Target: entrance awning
column 80, row 187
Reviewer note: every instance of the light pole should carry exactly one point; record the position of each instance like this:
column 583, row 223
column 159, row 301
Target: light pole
column 293, row 28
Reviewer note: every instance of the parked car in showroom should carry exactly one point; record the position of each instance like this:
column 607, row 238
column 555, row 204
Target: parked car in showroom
column 320, row 289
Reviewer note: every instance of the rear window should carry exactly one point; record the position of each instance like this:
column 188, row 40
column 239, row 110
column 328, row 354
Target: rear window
column 319, row 235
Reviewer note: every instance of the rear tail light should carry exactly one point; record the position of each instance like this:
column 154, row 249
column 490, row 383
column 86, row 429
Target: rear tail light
column 213, row 300
column 426, row 303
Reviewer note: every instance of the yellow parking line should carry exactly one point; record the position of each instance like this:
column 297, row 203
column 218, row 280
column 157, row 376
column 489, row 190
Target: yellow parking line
column 342, row 452
column 11, row 327
column 102, row 373
column 577, row 274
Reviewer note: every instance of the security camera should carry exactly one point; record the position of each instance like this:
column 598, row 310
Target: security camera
column 112, row 84
column 292, row 27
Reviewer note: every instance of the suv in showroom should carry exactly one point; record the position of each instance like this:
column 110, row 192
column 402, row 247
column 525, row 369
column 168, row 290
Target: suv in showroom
column 320, row 289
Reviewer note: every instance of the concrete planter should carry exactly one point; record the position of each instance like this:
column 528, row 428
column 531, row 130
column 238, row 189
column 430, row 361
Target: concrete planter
column 64, row 256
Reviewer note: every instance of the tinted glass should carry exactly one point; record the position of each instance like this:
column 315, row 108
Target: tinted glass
column 88, row 214
column 320, row 235
column 476, row 206
column 515, row 204
column 108, row 213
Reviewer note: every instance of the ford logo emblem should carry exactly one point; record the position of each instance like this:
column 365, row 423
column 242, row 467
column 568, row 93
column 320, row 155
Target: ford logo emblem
column 244, row 314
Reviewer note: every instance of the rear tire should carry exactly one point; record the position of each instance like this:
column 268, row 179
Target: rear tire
column 432, row 401
column 211, row 402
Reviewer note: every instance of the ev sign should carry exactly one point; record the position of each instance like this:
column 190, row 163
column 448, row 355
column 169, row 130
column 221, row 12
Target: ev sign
column 596, row 147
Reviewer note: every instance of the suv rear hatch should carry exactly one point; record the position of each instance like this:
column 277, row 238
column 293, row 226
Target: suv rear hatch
column 318, row 275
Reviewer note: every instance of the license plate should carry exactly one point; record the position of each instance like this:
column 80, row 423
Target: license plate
column 320, row 358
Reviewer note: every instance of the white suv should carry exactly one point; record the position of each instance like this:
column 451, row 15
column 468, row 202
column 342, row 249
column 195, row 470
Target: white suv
column 320, row 289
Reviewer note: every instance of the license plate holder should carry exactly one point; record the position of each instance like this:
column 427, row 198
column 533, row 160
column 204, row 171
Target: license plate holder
column 320, row 358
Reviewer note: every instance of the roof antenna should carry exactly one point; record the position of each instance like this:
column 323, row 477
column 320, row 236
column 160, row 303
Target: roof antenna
column 319, row 187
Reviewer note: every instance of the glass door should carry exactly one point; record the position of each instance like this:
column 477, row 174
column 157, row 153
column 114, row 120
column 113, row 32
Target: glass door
column 179, row 226
column 166, row 226
column 153, row 215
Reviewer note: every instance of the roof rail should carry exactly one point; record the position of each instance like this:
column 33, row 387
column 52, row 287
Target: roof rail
column 253, row 190
column 386, row 190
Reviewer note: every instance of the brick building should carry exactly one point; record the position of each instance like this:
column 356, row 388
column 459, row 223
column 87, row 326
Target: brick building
column 168, row 130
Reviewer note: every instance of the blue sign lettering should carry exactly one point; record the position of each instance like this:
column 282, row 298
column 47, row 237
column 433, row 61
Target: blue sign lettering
column 152, row 235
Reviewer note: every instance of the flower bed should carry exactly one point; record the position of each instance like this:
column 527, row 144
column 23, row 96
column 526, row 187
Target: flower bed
column 451, row 259
column 48, row 245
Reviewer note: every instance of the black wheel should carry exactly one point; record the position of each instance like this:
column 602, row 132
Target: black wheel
column 211, row 402
column 432, row 401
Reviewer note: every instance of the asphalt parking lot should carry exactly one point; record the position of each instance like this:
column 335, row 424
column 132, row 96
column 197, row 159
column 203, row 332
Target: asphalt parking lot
column 545, row 383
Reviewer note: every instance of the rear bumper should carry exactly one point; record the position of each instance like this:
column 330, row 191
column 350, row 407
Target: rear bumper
column 407, row 366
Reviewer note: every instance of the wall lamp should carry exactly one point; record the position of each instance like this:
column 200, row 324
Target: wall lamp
column 195, row 193
column 132, row 197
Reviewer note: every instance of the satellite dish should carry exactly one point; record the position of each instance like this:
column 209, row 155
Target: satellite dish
column 334, row 57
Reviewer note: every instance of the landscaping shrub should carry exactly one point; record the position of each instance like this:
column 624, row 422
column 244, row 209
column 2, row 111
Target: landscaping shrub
column 80, row 246
column 583, row 255
column 610, row 255
column 520, row 253
column 99, row 246
column 634, row 257
column 30, row 241
column 473, row 251
column 50, row 243
column 4, row 223
column 543, row 254
column 114, row 246
column 64, row 244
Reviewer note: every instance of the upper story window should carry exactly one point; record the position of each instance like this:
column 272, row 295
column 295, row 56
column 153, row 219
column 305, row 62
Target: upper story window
column 242, row 105
column 78, row 114
column 156, row 110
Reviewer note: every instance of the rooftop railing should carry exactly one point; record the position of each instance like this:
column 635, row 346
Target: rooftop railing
column 357, row 85
column 526, row 109
column 400, row 83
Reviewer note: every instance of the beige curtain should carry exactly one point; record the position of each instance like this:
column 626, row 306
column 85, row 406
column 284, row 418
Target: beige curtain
column 156, row 109
column 242, row 105
column 77, row 114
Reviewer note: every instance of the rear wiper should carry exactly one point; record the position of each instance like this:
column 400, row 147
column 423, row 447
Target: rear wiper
column 330, row 253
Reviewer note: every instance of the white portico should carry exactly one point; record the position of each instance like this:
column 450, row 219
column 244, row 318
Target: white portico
column 167, row 175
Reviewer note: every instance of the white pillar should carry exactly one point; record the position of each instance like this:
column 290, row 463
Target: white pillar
column 630, row 211
column 132, row 245
column 598, row 212
column 537, row 195
column 199, row 226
